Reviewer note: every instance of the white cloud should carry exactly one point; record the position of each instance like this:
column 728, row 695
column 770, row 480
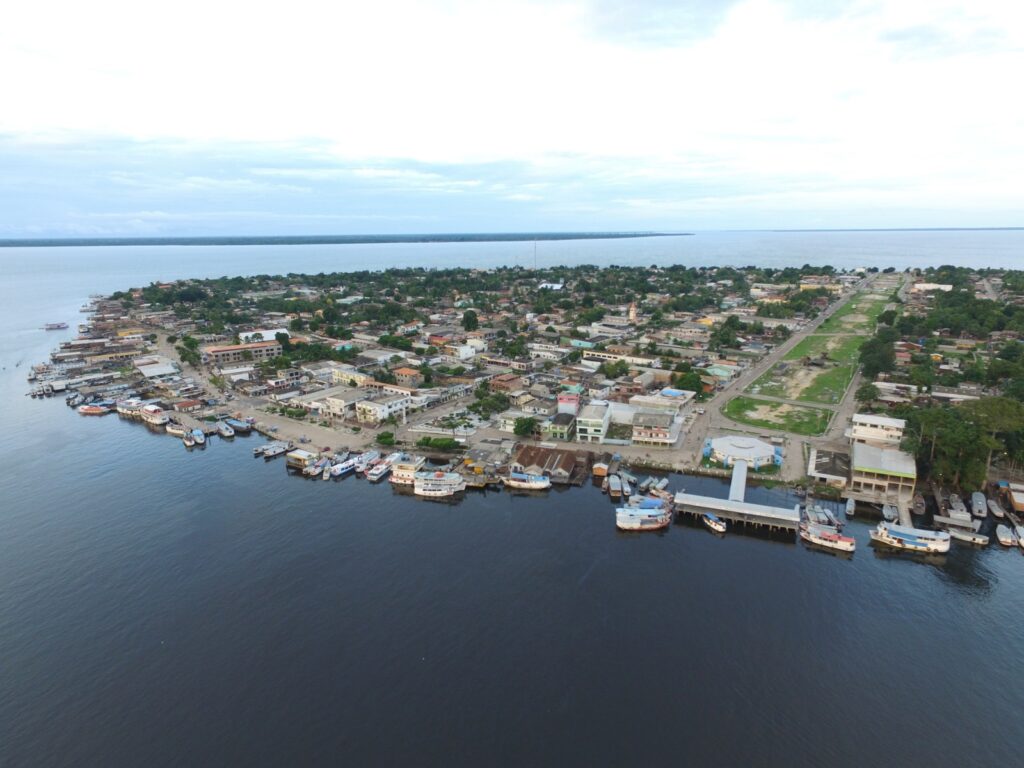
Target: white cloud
column 908, row 98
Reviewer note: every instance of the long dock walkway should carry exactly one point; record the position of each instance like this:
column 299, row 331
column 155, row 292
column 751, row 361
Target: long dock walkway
column 736, row 509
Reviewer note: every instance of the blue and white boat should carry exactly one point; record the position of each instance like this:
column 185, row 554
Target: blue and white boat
column 911, row 539
column 343, row 468
column 199, row 436
column 527, row 482
column 241, row 427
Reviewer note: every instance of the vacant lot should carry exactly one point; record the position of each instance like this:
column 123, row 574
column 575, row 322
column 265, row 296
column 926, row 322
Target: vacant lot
column 842, row 349
column 797, row 419
column 857, row 315
column 793, row 380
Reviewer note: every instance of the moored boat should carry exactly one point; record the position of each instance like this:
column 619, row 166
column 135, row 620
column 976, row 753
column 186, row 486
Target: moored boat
column 188, row 439
column 403, row 472
column 343, row 468
column 199, row 436
column 378, row 472
column 851, row 507
column 996, row 509
column 55, row 326
column 889, row 513
column 154, row 415
column 438, row 484
column 714, row 522
column 93, row 409
column 911, row 539
column 614, row 486
column 827, row 537
column 240, row 427
column 129, row 407
column 979, row 504
column 176, row 429
column 967, row 536
column 627, row 490
column 225, row 430
column 642, row 519
column 918, row 505
column 527, row 482
column 1006, row 535
column 365, row 460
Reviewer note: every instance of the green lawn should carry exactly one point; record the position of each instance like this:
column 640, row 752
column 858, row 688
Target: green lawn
column 797, row 419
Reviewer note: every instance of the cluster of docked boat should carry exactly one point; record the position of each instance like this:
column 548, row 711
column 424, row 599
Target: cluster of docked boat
column 822, row 528
column 622, row 484
column 401, row 469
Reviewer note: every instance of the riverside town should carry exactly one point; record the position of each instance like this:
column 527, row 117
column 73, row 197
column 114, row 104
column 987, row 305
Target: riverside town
column 893, row 396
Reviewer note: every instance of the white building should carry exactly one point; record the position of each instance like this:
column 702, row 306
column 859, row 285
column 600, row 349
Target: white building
column 592, row 423
column 377, row 411
column 876, row 430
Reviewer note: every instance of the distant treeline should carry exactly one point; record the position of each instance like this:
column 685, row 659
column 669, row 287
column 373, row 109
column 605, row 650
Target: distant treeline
column 465, row 237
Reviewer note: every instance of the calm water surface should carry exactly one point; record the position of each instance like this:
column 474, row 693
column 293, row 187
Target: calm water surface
column 166, row 607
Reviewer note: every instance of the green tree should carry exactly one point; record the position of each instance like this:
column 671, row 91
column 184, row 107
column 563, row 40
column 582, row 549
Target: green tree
column 866, row 393
column 524, row 426
column 470, row 322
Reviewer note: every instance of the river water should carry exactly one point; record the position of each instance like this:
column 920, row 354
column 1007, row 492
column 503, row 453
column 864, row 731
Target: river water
column 160, row 606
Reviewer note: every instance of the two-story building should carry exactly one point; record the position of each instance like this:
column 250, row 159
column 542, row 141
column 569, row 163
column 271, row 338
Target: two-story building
column 376, row 412
column 655, row 428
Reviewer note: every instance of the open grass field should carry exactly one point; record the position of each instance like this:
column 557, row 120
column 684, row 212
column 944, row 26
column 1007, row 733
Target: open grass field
column 858, row 315
column 793, row 380
column 842, row 349
column 798, row 419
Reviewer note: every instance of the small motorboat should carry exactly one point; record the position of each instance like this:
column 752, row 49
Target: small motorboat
column 1006, row 535
column 714, row 522
column 199, row 436
column 326, row 475
column 996, row 509
column 188, row 440
column 225, row 430
column 851, row 507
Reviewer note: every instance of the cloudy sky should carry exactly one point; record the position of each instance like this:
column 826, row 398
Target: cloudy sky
column 312, row 117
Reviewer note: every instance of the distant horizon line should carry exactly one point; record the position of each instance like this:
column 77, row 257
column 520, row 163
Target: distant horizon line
column 435, row 237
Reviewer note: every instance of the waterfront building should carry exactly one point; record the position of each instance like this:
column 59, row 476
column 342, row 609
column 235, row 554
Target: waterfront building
column 592, row 423
column 562, row 426
column 882, row 475
column 655, row 428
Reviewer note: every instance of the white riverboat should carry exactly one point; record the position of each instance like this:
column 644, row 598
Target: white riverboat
column 176, row 429
column 154, row 415
column 911, row 539
column 642, row 519
column 438, row 484
column 825, row 536
column 129, row 407
column 526, row 482
column 224, row 430
column 404, row 472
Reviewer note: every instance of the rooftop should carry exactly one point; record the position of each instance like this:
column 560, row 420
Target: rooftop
column 885, row 461
column 878, row 421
